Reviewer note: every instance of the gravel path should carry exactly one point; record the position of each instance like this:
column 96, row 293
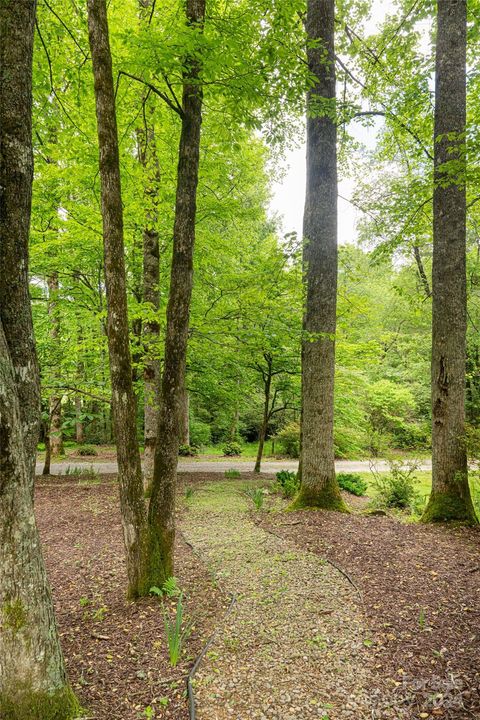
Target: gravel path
column 295, row 645
column 219, row 466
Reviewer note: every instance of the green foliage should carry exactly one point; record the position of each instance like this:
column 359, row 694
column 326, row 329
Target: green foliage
column 177, row 632
column 232, row 473
column 232, row 449
column 289, row 439
column 188, row 451
column 397, row 488
column 352, row 483
column 169, row 588
column 200, row 433
column 256, row 495
column 288, row 483
column 87, row 451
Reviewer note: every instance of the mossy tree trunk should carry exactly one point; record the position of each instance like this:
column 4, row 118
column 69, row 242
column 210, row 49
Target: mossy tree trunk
column 33, row 683
column 161, row 515
column 151, row 295
column 319, row 487
column 450, row 498
column 132, row 502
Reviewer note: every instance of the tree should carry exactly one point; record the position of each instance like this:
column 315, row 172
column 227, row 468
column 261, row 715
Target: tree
column 319, row 487
column 132, row 502
column 450, row 498
column 161, row 515
column 33, row 682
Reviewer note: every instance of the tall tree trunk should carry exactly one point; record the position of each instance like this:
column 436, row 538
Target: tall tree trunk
column 267, row 383
column 151, row 294
column 450, row 498
column 55, row 434
column 162, row 503
column 132, row 503
column 79, row 427
column 32, row 674
column 319, row 487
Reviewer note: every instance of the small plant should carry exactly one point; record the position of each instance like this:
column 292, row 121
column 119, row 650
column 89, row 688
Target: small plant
column 169, row 588
column 232, row 473
column 287, row 482
column 176, row 633
column 189, row 491
column 421, row 619
column 232, row 449
column 352, row 483
column 87, row 451
column 289, row 439
column 188, row 451
column 84, row 601
column 257, row 496
column 397, row 489
column 100, row 613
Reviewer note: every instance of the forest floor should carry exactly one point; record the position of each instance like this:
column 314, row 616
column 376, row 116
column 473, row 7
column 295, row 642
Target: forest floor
column 300, row 642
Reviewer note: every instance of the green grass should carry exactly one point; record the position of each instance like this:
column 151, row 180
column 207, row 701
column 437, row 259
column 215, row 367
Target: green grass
column 249, row 450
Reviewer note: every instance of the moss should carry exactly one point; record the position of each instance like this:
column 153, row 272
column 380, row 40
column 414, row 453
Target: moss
column 24, row 703
column 446, row 507
column 159, row 562
column 327, row 497
column 14, row 615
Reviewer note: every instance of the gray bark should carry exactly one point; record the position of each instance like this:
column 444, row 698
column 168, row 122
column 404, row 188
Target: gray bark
column 132, row 503
column 55, row 434
column 450, row 498
column 32, row 674
column 320, row 256
column 162, row 503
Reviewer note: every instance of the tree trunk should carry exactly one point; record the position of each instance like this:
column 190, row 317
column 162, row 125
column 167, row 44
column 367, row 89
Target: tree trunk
column 132, row 503
column 266, row 416
column 450, row 498
column 48, row 453
column 32, row 674
column 319, row 487
column 151, row 295
column 55, row 434
column 162, row 502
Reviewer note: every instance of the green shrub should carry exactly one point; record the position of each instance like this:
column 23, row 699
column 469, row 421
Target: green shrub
column 256, row 495
column 288, row 483
column 188, row 451
column 397, row 488
column 232, row 473
column 200, row 433
column 352, row 483
column 232, row 449
column 87, row 451
column 289, row 439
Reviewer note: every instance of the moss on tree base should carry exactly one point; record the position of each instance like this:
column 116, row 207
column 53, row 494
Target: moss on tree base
column 23, row 704
column 444, row 507
column 327, row 498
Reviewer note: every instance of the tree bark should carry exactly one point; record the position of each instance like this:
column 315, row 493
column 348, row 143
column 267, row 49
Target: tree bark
column 267, row 383
column 162, row 503
column 32, row 674
column 151, row 295
column 55, row 434
column 79, row 427
column 450, row 498
column 185, row 418
column 132, row 503
column 319, row 487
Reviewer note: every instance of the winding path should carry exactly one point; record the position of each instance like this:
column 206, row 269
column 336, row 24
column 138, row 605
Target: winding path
column 294, row 646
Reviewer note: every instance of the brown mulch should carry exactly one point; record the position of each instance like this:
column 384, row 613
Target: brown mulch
column 421, row 596
column 115, row 650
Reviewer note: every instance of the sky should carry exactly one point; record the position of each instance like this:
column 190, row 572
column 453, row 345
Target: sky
column 289, row 194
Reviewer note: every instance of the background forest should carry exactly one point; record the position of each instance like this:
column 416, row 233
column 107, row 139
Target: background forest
column 245, row 326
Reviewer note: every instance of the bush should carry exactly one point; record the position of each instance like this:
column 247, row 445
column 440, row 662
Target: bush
column 200, row 433
column 397, row 488
column 232, row 449
column 289, row 439
column 288, row 483
column 352, row 483
column 187, row 451
column 87, row 451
